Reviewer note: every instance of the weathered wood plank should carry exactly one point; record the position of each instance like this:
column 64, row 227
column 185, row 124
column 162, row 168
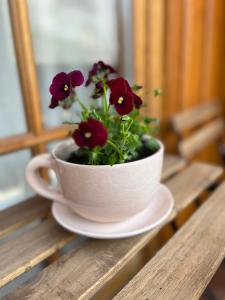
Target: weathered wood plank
column 81, row 273
column 184, row 266
column 27, row 250
column 201, row 138
column 37, row 208
column 190, row 118
column 154, row 65
column 171, row 165
column 22, row 214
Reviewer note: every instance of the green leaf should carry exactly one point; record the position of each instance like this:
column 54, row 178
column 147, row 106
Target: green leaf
column 112, row 159
column 152, row 144
column 148, row 120
column 70, row 123
column 157, row 92
column 136, row 87
column 126, row 118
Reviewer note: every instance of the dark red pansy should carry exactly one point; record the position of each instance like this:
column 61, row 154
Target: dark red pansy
column 62, row 84
column 90, row 134
column 76, row 78
column 122, row 85
column 99, row 68
column 122, row 101
column 53, row 103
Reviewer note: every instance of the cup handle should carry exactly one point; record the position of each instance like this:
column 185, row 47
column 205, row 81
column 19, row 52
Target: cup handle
column 37, row 183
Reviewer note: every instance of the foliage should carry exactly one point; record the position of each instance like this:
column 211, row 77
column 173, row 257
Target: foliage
column 110, row 133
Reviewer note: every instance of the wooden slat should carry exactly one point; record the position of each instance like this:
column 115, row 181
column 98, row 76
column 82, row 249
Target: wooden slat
column 155, row 54
column 25, row 251
column 26, row 67
column 37, row 208
column 201, row 138
column 214, row 45
column 23, row 141
column 171, row 165
column 173, row 20
column 81, row 273
column 192, row 49
column 184, row 266
column 139, row 40
column 21, row 214
column 190, row 118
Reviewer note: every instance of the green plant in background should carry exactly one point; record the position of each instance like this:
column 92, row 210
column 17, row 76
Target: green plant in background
column 111, row 130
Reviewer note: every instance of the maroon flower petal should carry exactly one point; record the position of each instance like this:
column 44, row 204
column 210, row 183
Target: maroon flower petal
column 79, row 138
column 99, row 68
column 123, row 102
column 60, row 78
column 60, row 87
column 90, row 134
column 137, row 101
column 119, row 83
column 76, row 78
column 54, row 103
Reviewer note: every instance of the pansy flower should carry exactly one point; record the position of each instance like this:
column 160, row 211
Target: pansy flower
column 122, row 96
column 62, row 86
column 99, row 68
column 90, row 134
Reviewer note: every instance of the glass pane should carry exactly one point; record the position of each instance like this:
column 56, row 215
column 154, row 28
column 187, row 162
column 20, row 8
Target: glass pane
column 73, row 34
column 13, row 185
column 11, row 112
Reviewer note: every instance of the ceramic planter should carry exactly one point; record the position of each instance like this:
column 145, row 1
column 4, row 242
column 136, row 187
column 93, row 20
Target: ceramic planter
column 99, row 193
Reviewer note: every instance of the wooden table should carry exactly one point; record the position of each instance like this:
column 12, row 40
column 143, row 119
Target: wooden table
column 179, row 270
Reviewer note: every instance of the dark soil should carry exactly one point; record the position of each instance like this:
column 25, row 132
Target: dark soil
column 144, row 152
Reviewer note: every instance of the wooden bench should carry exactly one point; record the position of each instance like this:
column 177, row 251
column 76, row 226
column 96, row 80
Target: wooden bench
column 198, row 127
column 85, row 270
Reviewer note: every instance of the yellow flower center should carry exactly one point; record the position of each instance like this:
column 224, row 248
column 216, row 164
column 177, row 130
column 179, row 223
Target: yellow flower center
column 120, row 100
column 66, row 87
column 87, row 135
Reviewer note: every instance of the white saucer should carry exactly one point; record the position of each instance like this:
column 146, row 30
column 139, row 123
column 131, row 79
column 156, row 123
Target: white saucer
column 158, row 210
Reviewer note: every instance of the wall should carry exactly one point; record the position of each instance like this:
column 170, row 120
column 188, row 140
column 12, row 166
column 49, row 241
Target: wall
column 179, row 45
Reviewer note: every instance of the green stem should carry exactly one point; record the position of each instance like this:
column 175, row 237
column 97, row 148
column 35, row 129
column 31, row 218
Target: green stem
column 116, row 148
column 104, row 99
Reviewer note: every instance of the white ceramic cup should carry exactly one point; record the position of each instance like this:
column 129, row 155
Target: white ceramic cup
column 99, row 193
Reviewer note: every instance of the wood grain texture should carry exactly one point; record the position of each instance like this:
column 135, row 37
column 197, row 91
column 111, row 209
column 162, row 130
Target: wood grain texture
column 23, row 213
column 172, row 68
column 197, row 115
column 20, row 254
column 192, row 49
column 171, row 165
column 81, row 273
column 26, row 140
column 201, row 138
column 155, row 55
column 37, row 208
column 214, row 47
column 26, row 67
column 139, row 40
column 184, row 266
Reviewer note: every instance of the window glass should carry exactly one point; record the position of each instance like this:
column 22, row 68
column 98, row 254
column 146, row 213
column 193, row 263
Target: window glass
column 13, row 185
column 11, row 112
column 68, row 35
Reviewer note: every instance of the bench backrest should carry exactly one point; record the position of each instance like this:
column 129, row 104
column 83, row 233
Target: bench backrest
column 198, row 127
